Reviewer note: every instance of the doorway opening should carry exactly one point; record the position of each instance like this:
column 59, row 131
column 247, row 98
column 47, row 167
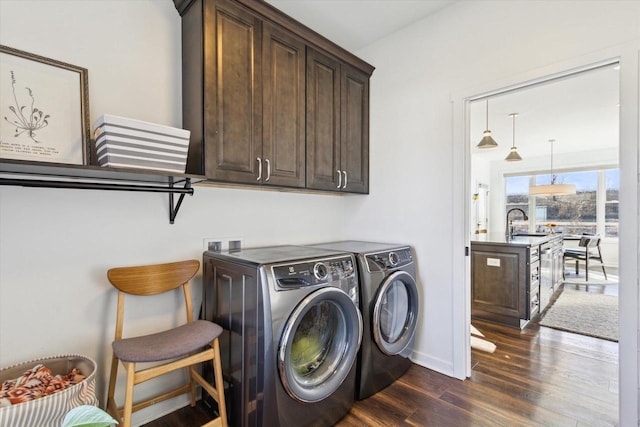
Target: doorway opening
column 579, row 112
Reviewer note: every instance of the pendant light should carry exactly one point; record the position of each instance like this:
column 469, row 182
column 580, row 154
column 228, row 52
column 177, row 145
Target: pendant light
column 552, row 189
column 487, row 141
column 513, row 155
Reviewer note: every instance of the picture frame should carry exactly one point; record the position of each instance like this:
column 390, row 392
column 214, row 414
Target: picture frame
column 44, row 109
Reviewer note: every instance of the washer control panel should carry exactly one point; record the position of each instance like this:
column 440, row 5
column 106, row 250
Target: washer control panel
column 389, row 259
column 312, row 273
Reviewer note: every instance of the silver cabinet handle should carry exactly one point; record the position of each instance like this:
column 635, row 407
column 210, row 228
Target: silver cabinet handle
column 259, row 168
column 339, row 178
column 345, row 180
column 268, row 170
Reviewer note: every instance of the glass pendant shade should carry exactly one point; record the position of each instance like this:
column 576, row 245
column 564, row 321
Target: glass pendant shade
column 552, row 189
column 487, row 141
column 513, row 155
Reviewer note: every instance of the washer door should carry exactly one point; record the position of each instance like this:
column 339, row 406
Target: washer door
column 319, row 344
column 395, row 313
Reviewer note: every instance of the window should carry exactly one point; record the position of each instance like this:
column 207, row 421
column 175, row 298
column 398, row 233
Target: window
column 593, row 209
column 612, row 202
column 517, row 196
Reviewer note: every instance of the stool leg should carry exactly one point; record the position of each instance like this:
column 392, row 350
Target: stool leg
column 112, row 406
column 128, row 396
column 192, row 383
column 217, row 371
column 586, row 267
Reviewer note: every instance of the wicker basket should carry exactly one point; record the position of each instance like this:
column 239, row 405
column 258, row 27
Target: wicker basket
column 49, row 411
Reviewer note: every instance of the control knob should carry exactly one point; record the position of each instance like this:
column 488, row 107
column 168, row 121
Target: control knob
column 393, row 258
column 320, row 271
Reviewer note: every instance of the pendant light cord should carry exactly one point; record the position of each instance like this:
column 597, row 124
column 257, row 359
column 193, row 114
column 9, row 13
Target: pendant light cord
column 553, row 179
column 487, row 126
column 513, row 141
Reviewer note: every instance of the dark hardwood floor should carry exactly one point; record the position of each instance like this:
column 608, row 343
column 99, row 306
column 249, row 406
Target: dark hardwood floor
column 536, row 377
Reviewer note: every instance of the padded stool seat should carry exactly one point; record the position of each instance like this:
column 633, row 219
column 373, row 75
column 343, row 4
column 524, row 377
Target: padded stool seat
column 169, row 344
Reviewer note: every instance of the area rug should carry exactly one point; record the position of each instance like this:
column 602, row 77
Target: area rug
column 585, row 313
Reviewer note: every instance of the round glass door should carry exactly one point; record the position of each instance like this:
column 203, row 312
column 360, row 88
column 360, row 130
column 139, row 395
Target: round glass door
column 319, row 345
column 395, row 313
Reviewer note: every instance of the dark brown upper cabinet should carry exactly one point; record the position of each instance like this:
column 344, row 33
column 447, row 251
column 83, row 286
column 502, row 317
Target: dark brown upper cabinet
column 247, row 100
column 283, row 113
column 337, row 125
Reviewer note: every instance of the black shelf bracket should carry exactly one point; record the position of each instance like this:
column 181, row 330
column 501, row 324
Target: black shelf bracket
column 187, row 189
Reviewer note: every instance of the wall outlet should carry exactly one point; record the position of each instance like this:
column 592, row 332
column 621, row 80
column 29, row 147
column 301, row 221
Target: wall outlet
column 212, row 244
column 235, row 245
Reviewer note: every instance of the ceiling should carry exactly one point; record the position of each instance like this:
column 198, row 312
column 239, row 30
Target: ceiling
column 580, row 112
column 354, row 24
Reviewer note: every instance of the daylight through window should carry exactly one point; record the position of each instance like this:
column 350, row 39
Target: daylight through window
column 593, row 209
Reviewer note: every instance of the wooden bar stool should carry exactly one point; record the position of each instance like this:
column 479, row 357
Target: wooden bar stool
column 182, row 347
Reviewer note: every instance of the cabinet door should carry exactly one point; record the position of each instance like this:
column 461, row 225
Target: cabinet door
column 283, row 120
column 323, row 122
column 354, row 157
column 233, row 93
column 497, row 283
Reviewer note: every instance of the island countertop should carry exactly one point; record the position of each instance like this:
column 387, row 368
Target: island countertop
column 499, row 239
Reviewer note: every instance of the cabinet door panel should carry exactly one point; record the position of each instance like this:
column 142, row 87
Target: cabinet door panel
column 354, row 156
column 283, row 107
column 233, row 100
column 323, row 121
column 496, row 283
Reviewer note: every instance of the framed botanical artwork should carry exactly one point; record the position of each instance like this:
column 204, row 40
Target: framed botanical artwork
column 44, row 109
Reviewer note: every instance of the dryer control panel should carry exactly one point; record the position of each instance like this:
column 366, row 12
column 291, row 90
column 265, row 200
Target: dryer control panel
column 389, row 259
column 312, row 273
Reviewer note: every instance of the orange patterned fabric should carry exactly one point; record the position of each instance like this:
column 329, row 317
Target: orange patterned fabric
column 35, row 383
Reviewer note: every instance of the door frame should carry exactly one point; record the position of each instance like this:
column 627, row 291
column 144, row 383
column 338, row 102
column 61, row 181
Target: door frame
column 628, row 55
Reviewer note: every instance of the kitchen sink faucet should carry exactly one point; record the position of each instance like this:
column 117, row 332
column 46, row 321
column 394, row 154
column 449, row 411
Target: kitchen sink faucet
column 508, row 232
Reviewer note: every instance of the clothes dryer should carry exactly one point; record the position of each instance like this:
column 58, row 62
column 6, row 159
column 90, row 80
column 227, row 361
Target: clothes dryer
column 389, row 303
column 292, row 333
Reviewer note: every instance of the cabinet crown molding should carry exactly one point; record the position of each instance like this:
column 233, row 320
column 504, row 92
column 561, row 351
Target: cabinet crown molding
column 278, row 17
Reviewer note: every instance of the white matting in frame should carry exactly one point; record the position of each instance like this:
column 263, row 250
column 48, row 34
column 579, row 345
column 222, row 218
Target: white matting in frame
column 43, row 109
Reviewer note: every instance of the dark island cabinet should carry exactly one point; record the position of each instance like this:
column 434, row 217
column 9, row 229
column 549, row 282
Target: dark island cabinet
column 337, row 125
column 248, row 105
column 505, row 283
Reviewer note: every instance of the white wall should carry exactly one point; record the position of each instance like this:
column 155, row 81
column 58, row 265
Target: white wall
column 55, row 245
column 417, row 165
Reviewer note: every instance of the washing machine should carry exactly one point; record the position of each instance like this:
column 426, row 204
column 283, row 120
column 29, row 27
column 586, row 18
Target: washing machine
column 389, row 303
column 292, row 331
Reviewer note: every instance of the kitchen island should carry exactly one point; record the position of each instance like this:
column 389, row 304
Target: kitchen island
column 514, row 279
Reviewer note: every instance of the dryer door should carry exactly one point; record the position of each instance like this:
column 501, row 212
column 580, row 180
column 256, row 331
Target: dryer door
column 319, row 344
column 395, row 313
